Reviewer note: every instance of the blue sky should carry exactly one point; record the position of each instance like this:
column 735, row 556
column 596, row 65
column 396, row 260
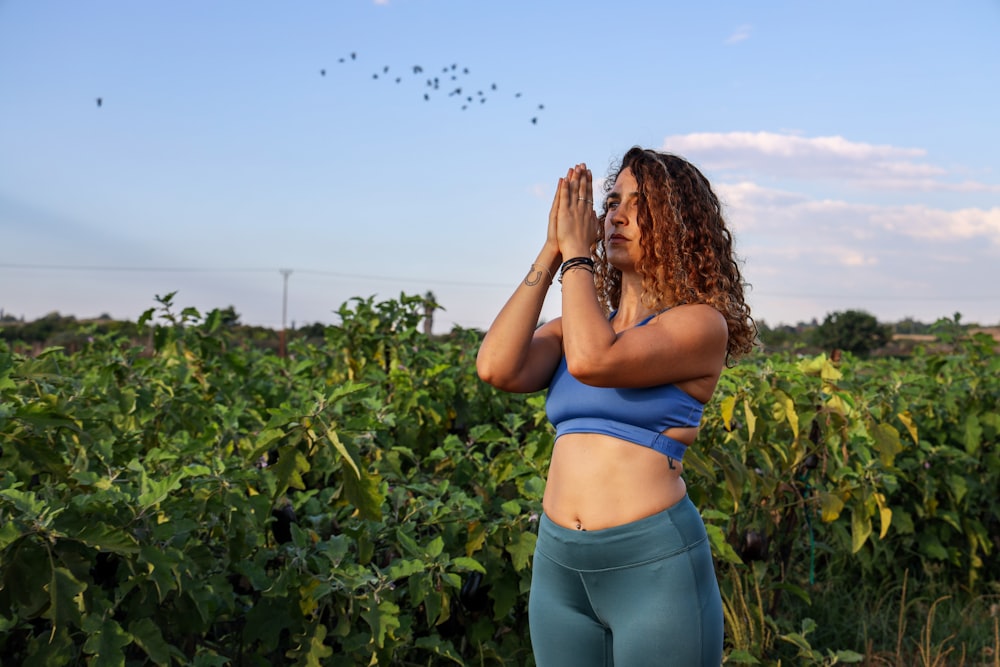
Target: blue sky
column 855, row 146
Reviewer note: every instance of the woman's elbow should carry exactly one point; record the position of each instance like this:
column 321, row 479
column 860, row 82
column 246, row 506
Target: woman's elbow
column 489, row 373
column 586, row 372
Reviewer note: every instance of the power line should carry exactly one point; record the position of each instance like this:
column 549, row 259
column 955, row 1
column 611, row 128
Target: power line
column 318, row 272
column 139, row 269
column 869, row 297
column 462, row 283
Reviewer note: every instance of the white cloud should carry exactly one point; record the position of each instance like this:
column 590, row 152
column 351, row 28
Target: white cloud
column 754, row 209
column 741, row 33
column 862, row 165
column 943, row 226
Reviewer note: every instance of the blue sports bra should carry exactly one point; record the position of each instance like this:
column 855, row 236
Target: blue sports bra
column 638, row 415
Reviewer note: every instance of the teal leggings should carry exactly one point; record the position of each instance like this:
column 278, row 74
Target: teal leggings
column 636, row 595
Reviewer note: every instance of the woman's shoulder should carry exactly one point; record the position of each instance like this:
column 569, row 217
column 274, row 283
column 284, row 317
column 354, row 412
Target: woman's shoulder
column 698, row 323
column 701, row 314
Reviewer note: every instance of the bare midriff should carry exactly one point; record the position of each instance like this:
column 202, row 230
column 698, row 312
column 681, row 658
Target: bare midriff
column 598, row 481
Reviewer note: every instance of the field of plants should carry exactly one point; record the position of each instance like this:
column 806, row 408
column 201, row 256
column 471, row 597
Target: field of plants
column 366, row 500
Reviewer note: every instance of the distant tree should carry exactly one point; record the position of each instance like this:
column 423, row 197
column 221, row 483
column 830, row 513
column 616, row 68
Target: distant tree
column 780, row 337
column 430, row 305
column 910, row 326
column 315, row 330
column 853, row 331
column 230, row 317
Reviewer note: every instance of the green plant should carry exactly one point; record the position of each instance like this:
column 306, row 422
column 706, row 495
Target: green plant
column 173, row 493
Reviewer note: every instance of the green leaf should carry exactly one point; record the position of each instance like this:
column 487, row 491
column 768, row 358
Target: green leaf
column 931, row 545
column 107, row 538
column 382, row 619
column 849, row 656
column 65, row 599
column 105, row 644
column 861, row 528
column 365, row 494
column 26, row 573
column 973, row 434
column 406, row 541
column 721, row 547
column 831, row 505
column 288, row 470
column 345, row 389
column 25, row 502
column 266, row 620
column 401, row 569
column 441, row 647
column 9, row 533
column 511, row 507
column 741, row 657
column 52, row 650
column 435, row 547
column 783, row 409
column 312, row 651
column 149, row 638
column 465, row 563
column 153, row 491
column 520, row 547
column 959, row 487
column 334, row 439
column 163, row 568
column 887, row 443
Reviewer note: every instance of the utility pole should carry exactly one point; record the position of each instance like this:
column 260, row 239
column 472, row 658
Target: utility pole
column 284, row 311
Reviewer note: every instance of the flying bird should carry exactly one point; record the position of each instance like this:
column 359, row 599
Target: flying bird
column 99, row 101
column 453, row 70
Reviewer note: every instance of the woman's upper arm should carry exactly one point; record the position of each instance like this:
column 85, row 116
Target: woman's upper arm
column 535, row 372
column 685, row 343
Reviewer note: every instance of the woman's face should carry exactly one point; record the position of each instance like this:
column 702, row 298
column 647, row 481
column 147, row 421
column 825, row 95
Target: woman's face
column 621, row 230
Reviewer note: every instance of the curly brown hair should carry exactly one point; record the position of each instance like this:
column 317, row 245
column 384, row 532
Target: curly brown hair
column 687, row 249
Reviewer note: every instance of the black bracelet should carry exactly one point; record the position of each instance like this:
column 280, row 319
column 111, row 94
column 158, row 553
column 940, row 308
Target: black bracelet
column 585, row 263
column 576, row 261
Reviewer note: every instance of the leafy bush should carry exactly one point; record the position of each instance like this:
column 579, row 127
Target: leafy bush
column 368, row 500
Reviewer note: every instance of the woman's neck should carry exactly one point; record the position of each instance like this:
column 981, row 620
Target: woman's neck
column 631, row 309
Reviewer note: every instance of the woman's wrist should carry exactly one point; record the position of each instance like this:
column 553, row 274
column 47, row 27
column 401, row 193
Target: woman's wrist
column 581, row 263
column 569, row 251
column 550, row 257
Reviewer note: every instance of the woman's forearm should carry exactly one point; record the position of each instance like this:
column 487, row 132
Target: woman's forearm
column 505, row 356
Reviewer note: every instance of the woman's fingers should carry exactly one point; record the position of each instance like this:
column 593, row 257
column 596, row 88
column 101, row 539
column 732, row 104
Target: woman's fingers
column 583, row 186
column 576, row 219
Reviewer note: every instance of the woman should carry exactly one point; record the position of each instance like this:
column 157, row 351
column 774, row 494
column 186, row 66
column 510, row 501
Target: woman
column 652, row 310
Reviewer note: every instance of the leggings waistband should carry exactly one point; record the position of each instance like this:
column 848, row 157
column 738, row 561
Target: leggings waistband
column 677, row 528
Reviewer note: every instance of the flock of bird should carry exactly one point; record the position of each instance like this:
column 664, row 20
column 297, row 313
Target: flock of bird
column 451, row 79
